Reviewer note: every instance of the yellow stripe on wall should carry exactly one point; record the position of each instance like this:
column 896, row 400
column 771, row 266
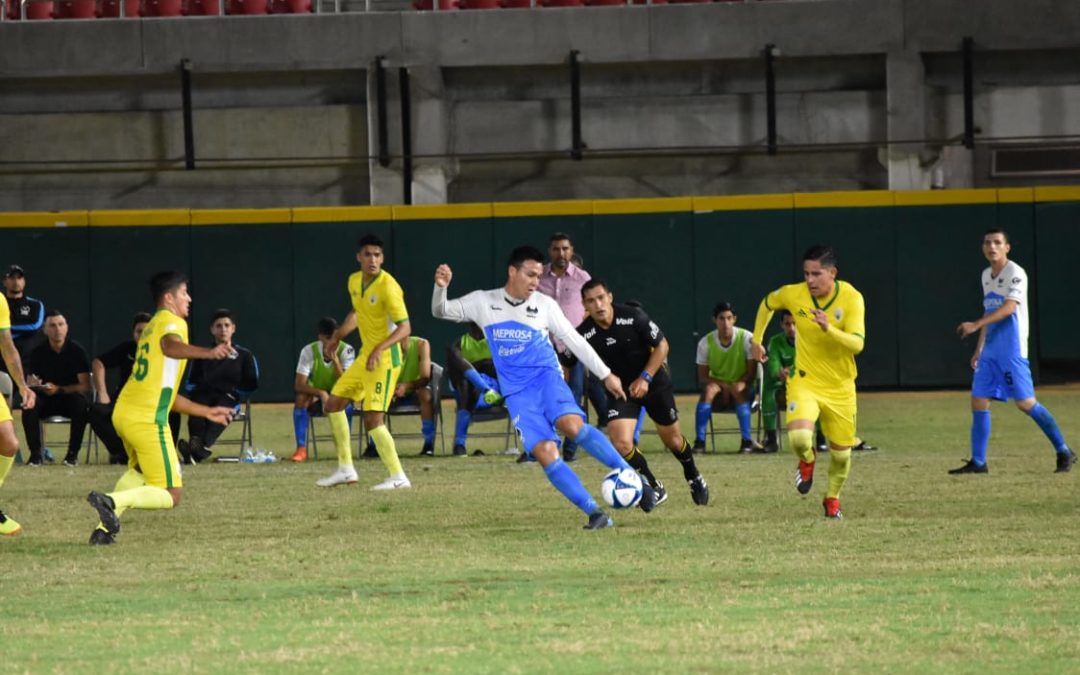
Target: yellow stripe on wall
column 140, row 217
column 341, row 214
column 658, row 205
column 946, row 197
column 851, row 199
column 743, row 203
column 442, row 211
column 1016, row 195
column 45, row 219
column 575, row 207
column 239, row 216
column 1058, row 193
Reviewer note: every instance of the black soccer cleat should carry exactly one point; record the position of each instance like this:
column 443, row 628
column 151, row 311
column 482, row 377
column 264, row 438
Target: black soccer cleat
column 106, row 509
column 460, row 450
column 569, row 455
column 750, row 446
column 699, row 490
column 648, row 500
column 428, row 450
column 199, row 452
column 970, row 467
column 1065, row 460
column 863, row 446
column 100, row 537
column 598, row 520
column 699, row 447
column 661, row 493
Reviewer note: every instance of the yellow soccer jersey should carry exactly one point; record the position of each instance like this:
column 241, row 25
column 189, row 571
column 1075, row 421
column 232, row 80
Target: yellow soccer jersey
column 149, row 393
column 378, row 305
column 820, row 359
column 5, row 313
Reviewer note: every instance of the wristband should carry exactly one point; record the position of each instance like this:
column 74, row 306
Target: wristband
column 646, row 376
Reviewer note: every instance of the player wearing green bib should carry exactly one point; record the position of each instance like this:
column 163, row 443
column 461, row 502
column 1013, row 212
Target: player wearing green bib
column 472, row 372
column 412, row 387
column 725, row 371
column 781, row 350
column 315, row 377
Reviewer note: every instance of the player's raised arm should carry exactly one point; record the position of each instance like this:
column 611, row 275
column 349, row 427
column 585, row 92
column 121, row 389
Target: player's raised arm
column 175, row 348
column 441, row 307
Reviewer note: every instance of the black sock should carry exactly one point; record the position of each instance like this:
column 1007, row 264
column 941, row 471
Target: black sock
column 685, row 455
column 770, row 437
column 638, row 461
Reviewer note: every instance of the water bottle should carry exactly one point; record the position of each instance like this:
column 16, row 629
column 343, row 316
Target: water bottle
column 248, row 456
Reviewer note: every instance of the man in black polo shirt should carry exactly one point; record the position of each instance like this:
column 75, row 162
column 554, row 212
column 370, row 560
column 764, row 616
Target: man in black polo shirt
column 60, row 375
column 27, row 314
column 122, row 358
column 217, row 383
column 636, row 350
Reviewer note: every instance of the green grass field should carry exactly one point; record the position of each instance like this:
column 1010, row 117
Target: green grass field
column 483, row 567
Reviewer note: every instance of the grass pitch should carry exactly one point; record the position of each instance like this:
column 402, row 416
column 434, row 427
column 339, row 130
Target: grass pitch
column 483, row 567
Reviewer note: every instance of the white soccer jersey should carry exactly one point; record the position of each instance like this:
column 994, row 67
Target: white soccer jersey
column 1006, row 339
column 517, row 333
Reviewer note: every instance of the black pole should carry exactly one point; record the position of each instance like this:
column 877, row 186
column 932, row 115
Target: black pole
column 406, row 135
column 189, row 129
column 968, row 49
column 383, row 140
column 576, row 144
column 770, row 98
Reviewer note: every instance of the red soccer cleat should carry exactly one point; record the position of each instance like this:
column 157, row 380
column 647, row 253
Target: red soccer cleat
column 832, row 508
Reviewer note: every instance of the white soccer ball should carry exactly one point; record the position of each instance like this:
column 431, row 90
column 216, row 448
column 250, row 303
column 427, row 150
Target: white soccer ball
column 621, row 488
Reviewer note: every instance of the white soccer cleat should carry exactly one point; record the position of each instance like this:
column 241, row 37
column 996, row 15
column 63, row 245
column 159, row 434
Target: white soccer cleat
column 345, row 475
column 393, row 483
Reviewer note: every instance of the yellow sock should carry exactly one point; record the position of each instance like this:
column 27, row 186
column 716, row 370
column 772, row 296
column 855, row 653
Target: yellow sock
column 5, row 466
column 130, row 479
column 142, row 497
column 802, row 442
column 384, row 443
column 839, row 468
column 339, row 427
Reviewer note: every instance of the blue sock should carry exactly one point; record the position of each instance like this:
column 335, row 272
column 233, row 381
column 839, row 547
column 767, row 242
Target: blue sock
column 348, row 415
column 701, row 420
column 637, row 428
column 598, row 445
column 477, row 380
column 427, row 428
column 742, row 413
column 1049, row 426
column 980, row 435
column 300, row 425
column 567, row 482
column 461, row 427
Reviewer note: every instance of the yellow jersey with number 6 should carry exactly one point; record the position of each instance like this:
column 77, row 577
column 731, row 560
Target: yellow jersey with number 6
column 149, row 393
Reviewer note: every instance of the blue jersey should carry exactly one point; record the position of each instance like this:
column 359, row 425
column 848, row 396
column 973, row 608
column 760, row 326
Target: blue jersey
column 518, row 334
column 1007, row 339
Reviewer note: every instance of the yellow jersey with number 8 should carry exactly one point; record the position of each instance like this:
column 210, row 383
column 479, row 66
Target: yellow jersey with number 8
column 149, row 393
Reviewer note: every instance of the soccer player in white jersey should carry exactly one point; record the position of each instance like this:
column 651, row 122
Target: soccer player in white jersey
column 1000, row 360
column 517, row 322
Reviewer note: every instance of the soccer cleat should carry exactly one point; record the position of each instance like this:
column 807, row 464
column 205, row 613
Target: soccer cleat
column 8, row 527
column 863, row 446
column 106, row 510
column 804, row 477
column 69, row 461
column 300, row 455
column 345, row 475
column 371, row 452
column 598, row 520
column 661, row 493
column 393, row 483
column 100, row 537
column 428, row 450
column 460, row 450
column 34, row 460
column 749, row 445
column 199, row 452
column 699, row 446
column 648, row 498
column 1065, row 460
column 525, row 458
column 832, row 508
column 699, row 490
column 184, row 451
column 569, row 455
column 970, row 467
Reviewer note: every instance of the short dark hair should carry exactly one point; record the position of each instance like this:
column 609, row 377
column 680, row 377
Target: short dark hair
column 522, row 253
column 165, row 282
column 560, row 236
column 823, row 253
column 722, row 307
column 53, row 312
column 370, row 240
column 593, row 283
column 326, row 326
column 782, row 313
column 221, row 313
column 140, row 317
column 997, row 230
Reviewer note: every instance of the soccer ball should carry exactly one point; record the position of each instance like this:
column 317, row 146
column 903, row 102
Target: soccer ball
column 621, row 488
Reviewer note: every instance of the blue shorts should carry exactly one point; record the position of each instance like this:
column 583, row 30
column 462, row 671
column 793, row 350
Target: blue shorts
column 533, row 411
column 1003, row 380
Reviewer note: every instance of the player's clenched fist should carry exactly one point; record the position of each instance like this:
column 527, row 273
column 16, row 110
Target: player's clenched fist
column 443, row 274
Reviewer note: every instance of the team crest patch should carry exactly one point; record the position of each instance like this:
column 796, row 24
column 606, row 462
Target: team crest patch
column 373, row 299
column 838, row 314
column 791, row 407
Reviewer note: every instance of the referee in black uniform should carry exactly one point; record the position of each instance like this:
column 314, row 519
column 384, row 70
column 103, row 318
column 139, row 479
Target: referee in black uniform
column 636, row 351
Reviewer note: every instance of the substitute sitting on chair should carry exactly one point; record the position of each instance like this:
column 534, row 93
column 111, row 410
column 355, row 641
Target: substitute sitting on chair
column 412, row 387
column 726, row 376
column 217, row 383
column 315, row 377
column 60, row 375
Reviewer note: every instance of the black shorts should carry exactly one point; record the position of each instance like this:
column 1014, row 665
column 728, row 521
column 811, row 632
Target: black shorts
column 659, row 404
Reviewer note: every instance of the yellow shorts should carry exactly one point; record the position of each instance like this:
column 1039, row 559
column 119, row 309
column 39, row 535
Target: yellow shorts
column 150, row 450
column 5, row 412
column 374, row 387
column 836, row 411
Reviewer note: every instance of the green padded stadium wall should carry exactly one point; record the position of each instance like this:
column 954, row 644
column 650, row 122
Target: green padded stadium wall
column 915, row 256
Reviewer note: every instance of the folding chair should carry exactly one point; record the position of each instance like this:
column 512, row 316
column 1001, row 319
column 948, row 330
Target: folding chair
column 243, row 416
column 494, row 414
column 314, row 437
column 719, row 407
column 91, row 437
column 435, row 385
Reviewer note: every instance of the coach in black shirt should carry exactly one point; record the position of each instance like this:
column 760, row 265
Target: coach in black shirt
column 120, row 358
column 59, row 373
column 27, row 314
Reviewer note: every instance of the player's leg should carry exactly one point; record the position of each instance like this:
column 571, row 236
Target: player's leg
column 769, row 411
column 31, row 424
column 73, row 407
column 802, row 412
column 427, row 420
column 379, row 385
column 301, row 421
column 742, row 394
column 576, row 377
column 987, row 383
column 9, row 447
column 661, row 407
column 1022, row 390
column 838, row 424
column 702, row 413
column 620, row 429
column 348, row 388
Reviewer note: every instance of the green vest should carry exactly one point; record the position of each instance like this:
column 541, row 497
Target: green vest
column 410, row 370
column 728, row 365
column 781, row 355
column 473, row 350
column 322, row 373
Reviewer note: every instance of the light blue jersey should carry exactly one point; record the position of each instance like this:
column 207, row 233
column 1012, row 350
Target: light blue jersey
column 1007, row 339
